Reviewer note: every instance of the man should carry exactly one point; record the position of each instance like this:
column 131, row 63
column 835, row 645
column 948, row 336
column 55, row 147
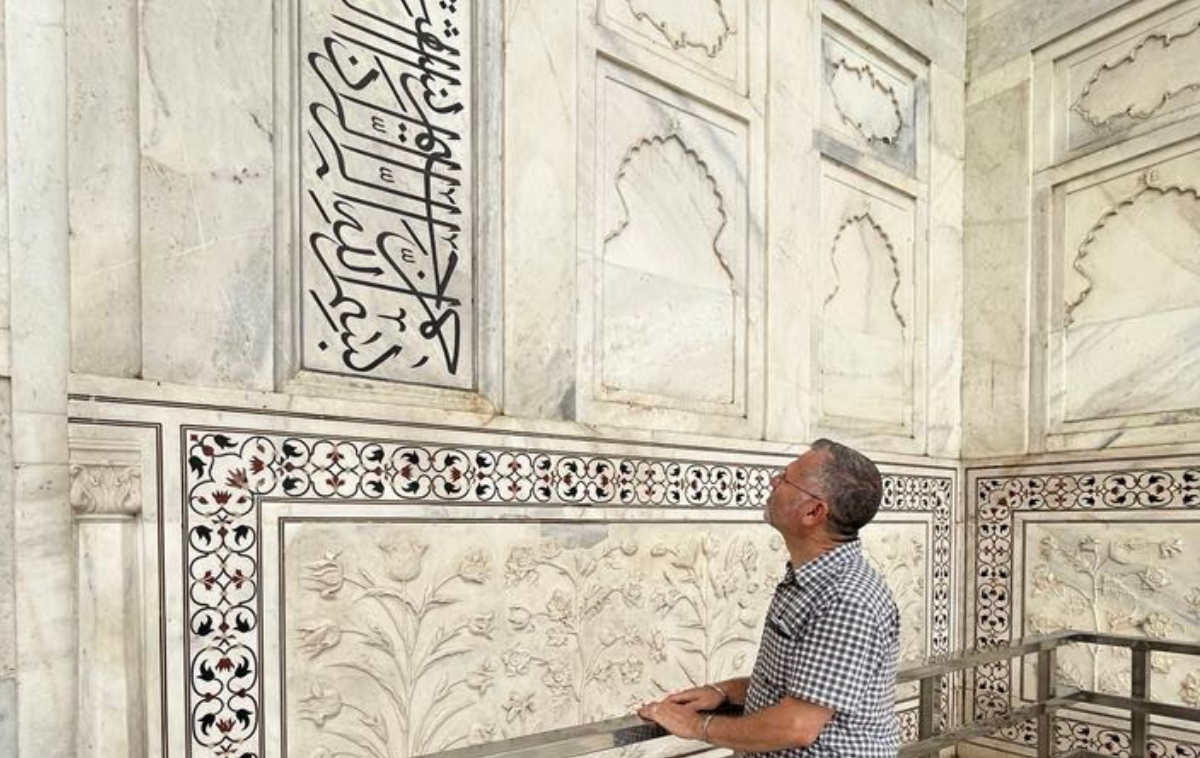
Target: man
column 824, row 681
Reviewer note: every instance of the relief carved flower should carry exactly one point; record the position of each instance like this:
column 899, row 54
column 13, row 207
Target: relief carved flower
column 325, row 576
column 1193, row 601
column 1049, row 546
column 1118, row 622
column 557, row 676
column 320, row 705
column 558, row 607
column 403, row 562
column 521, row 566
column 658, row 646
column 629, row 549
column 1157, row 625
column 516, row 661
column 1154, row 579
column 519, row 618
column 474, row 567
column 749, row 558
column 481, row 733
column 1161, row 662
column 632, row 592
column 1171, row 548
column 481, row 678
column 319, row 636
column 631, row 670
column 482, row 625
column 518, row 706
column 1189, row 689
column 1044, row 581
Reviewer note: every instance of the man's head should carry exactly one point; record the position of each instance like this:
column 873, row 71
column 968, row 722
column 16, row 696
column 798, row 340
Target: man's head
column 830, row 487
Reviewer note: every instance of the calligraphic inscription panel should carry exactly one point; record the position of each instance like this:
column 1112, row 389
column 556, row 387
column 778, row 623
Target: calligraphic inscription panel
column 386, row 237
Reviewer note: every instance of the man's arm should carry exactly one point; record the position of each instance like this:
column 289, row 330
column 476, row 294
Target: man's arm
column 710, row 696
column 790, row 723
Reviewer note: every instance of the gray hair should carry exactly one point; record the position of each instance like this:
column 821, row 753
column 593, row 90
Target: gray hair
column 852, row 485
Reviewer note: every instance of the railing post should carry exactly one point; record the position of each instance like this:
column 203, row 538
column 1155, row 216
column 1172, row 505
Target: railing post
column 1046, row 690
column 1139, row 688
column 928, row 703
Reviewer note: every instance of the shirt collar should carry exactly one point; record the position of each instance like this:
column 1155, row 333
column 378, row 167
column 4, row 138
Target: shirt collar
column 826, row 563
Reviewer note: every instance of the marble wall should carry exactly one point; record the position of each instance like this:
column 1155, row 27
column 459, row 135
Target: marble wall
column 1082, row 223
column 303, row 293
column 1081, row 228
column 288, row 585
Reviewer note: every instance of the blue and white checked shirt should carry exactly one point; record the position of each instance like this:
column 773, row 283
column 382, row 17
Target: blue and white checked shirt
column 831, row 638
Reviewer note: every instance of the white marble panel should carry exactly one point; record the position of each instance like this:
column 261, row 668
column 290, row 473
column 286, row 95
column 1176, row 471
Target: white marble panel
column 709, row 37
column 410, row 637
column 1136, row 77
column 870, row 99
column 386, row 258
column 540, row 216
column 868, row 318
column 1126, row 323
column 669, row 318
column 397, row 632
column 1094, row 544
column 997, row 221
column 207, row 189
column 1120, row 577
column 106, row 305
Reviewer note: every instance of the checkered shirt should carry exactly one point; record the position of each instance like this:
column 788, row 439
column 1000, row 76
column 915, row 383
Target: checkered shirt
column 831, row 638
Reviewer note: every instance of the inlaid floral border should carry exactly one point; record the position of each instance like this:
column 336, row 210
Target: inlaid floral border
column 999, row 498
column 228, row 472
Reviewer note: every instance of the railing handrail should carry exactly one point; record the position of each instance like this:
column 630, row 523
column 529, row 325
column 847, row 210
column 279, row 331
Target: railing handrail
column 628, row 730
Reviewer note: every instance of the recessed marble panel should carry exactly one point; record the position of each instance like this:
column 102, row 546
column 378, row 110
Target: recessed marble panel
column 405, row 635
column 386, row 288
column 1120, row 577
column 708, row 37
column 670, row 286
column 1127, row 317
column 1140, row 76
column 867, row 319
column 1098, row 544
column 869, row 99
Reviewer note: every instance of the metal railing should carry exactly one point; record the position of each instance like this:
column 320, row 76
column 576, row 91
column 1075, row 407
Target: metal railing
column 629, row 730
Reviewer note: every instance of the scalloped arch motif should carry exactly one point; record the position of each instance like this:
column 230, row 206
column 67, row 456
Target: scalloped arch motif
column 661, row 140
column 1134, row 110
column 679, row 40
column 865, row 72
column 859, row 219
column 1150, row 185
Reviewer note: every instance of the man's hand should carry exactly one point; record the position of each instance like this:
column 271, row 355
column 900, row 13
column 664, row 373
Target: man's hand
column 680, row 720
column 697, row 698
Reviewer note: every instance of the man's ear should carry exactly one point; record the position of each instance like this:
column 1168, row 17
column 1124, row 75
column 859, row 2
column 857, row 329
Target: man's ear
column 817, row 513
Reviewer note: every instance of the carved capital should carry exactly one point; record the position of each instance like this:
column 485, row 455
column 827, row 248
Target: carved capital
column 99, row 489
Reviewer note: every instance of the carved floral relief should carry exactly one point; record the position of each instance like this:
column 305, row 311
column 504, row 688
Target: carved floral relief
column 405, row 638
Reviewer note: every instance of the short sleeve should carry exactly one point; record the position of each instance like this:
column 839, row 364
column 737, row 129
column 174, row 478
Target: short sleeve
column 834, row 657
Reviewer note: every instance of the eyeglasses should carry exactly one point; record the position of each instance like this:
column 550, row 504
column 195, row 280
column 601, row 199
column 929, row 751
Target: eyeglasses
column 781, row 476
